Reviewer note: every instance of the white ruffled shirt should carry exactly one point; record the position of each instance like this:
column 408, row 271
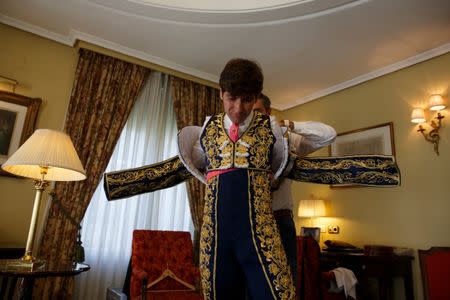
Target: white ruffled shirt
column 306, row 138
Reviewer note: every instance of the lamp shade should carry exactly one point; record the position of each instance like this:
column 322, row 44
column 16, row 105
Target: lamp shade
column 436, row 102
column 418, row 115
column 46, row 148
column 311, row 208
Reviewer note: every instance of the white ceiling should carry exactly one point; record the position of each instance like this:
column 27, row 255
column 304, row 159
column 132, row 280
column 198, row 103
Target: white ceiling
column 307, row 48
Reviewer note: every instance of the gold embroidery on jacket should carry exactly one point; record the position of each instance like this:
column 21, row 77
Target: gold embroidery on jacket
column 343, row 164
column 251, row 151
column 208, row 239
column 365, row 170
column 130, row 182
column 268, row 238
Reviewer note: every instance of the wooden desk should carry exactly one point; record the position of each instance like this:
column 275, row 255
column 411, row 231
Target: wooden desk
column 383, row 268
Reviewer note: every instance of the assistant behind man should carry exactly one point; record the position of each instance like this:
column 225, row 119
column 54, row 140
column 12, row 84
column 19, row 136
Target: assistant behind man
column 304, row 138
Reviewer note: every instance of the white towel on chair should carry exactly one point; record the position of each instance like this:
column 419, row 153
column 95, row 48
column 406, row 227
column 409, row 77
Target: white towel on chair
column 346, row 279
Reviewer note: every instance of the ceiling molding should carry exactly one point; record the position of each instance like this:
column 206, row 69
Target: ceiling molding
column 74, row 35
column 207, row 6
column 369, row 76
column 66, row 40
column 143, row 56
column 303, row 10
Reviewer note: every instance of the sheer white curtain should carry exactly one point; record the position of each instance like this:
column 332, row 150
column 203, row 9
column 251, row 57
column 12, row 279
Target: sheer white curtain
column 149, row 136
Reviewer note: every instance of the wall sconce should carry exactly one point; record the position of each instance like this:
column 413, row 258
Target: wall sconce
column 436, row 103
column 8, row 82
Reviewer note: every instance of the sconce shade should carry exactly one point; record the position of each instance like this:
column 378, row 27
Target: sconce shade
column 436, row 102
column 418, row 115
column 47, row 148
column 311, row 208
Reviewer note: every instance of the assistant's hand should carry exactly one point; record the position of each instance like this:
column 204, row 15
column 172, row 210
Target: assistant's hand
column 287, row 123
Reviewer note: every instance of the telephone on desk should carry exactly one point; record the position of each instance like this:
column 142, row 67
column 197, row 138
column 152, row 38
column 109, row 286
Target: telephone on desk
column 340, row 246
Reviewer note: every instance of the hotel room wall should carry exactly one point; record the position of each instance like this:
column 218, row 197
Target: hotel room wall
column 44, row 69
column 414, row 215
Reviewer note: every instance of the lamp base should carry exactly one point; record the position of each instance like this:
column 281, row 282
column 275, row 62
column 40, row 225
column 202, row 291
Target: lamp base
column 23, row 265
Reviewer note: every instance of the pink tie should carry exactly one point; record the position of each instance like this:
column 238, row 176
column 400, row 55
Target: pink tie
column 234, row 132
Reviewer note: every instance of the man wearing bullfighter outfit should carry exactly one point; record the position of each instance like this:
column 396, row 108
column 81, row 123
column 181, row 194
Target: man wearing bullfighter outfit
column 241, row 152
column 238, row 155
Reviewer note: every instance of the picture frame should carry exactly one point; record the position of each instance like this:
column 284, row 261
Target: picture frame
column 378, row 139
column 18, row 116
column 311, row 231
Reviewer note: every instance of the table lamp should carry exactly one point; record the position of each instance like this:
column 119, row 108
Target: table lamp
column 48, row 155
column 311, row 208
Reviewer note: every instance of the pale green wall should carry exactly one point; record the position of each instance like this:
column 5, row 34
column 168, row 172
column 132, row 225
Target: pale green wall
column 44, row 69
column 416, row 214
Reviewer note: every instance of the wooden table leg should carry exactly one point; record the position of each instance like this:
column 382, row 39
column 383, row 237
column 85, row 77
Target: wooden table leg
column 408, row 283
column 26, row 288
column 384, row 288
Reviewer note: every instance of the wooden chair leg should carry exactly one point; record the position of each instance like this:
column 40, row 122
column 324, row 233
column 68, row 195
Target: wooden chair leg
column 143, row 289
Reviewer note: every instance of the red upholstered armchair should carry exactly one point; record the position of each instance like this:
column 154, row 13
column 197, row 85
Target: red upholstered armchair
column 312, row 283
column 162, row 266
column 435, row 267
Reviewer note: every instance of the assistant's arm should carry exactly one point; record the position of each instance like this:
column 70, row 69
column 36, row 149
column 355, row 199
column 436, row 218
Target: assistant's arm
column 307, row 137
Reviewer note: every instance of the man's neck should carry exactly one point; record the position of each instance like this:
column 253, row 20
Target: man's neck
column 228, row 122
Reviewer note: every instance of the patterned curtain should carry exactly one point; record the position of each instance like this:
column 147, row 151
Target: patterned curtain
column 192, row 103
column 103, row 94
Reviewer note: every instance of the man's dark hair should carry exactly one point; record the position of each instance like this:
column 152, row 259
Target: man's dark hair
column 241, row 77
column 265, row 100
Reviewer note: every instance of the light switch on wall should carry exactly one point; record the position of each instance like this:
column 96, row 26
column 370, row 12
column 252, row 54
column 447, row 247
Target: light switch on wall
column 333, row 229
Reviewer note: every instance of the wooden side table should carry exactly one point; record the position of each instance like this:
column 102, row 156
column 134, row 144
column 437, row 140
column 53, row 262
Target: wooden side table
column 383, row 268
column 27, row 275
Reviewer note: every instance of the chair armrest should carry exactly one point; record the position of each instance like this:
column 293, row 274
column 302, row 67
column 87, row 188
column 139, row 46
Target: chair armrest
column 327, row 279
column 328, row 276
column 143, row 278
column 139, row 273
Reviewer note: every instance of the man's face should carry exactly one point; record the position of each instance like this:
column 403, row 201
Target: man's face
column 236, row 107
column 259, row 106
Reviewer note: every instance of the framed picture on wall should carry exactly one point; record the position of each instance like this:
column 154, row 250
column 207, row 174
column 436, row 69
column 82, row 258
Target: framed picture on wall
column 17, row 120
column 378, row 139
